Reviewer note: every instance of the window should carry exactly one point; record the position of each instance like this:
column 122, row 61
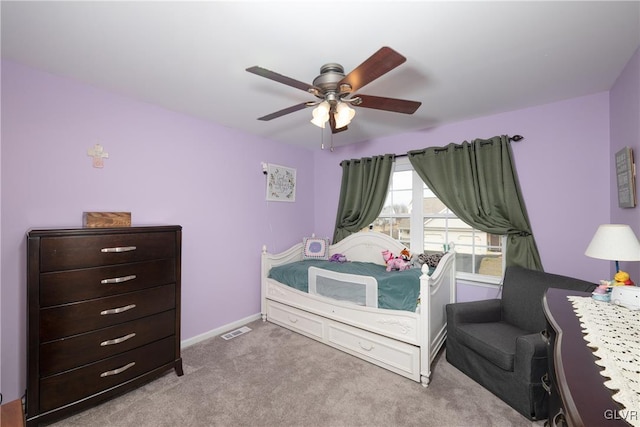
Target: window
column 413, row 215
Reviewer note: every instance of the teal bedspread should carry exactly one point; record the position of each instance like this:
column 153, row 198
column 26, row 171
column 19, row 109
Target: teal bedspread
column 397, row 290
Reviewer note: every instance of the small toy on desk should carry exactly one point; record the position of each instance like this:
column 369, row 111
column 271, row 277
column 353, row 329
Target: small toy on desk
column 619, row 291
column 606, row 283
column 602, row 292
column 626, row 296
column 622, row 279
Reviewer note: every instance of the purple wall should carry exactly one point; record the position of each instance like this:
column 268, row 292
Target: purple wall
column 562, row 165
column 624, row 98
column 164, row 167
column 167, row 168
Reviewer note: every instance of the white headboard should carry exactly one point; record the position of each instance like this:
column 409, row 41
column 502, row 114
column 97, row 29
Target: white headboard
column 366, row 246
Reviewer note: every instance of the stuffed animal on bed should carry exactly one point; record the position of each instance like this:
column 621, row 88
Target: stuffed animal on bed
column 418, row 260
column 394, row 263
column 338, row 258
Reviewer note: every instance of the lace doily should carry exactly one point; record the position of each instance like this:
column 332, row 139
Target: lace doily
column 613, row 332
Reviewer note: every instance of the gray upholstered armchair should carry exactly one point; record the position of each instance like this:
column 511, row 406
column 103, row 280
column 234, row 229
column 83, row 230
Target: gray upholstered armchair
column 498, row 342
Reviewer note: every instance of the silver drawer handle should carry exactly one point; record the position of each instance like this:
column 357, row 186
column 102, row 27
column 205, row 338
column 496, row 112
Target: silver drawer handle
column 545, row 336
column 558, row 419
column 292, row 319
column 118, row 340
column 119, row 249
column 368, row 347
column 545, row 383
column 118, row 279
column 118, row 310
column 117, row 371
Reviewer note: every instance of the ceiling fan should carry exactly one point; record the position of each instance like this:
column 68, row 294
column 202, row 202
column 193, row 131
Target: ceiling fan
column 336, row 92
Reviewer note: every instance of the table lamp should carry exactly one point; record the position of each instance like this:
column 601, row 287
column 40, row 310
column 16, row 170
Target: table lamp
column 614, row 242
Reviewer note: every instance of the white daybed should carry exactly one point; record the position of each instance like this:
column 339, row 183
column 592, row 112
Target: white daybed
column 403, row 342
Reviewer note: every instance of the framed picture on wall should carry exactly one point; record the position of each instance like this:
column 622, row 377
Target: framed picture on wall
column 626, row 178
column 281, row 183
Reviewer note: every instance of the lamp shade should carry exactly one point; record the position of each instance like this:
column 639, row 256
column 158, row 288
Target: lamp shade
column 614, row 242
column 344, row 114
column 320, row 114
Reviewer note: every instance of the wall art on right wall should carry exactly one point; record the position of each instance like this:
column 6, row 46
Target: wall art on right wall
column 626, row 177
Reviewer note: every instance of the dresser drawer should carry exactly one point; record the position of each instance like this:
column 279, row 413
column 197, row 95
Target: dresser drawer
column 67, row 353
column 70, row 386
column 62, row 253
column 70, row 319
column 76, row 285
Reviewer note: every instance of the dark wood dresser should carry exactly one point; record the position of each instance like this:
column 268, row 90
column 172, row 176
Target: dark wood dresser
column 577, row 394
column 103, row 314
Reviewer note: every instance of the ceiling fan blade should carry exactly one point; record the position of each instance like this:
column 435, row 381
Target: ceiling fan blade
column 280, row 78
column 332, row 123
column 381, row 62
column 285, row 111
column 389, row 104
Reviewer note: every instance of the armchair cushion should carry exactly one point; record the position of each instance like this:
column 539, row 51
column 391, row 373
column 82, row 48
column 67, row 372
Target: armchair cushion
column 495, row 341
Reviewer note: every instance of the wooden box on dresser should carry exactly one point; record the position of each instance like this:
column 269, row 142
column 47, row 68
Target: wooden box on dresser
column 103, row 314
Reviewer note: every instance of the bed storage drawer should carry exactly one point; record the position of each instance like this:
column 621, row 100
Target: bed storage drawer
column 299, row 320
column 396, row 356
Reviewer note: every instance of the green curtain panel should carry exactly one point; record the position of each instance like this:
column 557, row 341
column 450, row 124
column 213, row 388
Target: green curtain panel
column 362, row 193
column 478, row 182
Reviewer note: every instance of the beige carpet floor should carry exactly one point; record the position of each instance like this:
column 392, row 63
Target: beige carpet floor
column 274, row 377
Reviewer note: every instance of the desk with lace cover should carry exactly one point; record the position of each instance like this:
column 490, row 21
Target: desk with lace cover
column 577, row 393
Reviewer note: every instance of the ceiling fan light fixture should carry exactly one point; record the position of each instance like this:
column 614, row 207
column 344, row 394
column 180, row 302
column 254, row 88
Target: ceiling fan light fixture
column 343, row 115
column 318, row 122
column 321, row 114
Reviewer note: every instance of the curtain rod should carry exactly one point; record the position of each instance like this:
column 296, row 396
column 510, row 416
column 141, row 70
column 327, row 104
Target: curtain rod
column 514, row 138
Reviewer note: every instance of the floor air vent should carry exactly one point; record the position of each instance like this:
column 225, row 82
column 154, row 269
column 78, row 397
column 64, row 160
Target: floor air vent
column 236, row 333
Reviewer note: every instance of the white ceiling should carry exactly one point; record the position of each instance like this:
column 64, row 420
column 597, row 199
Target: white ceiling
column 464, row 59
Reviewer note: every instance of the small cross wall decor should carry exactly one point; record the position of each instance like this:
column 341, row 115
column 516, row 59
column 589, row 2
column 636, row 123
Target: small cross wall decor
column 98, row 154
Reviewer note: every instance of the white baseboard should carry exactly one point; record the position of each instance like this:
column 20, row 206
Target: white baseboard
column 218, row 331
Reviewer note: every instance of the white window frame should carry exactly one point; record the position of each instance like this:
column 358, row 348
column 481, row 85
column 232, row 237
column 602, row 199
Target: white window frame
column 416, row 220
